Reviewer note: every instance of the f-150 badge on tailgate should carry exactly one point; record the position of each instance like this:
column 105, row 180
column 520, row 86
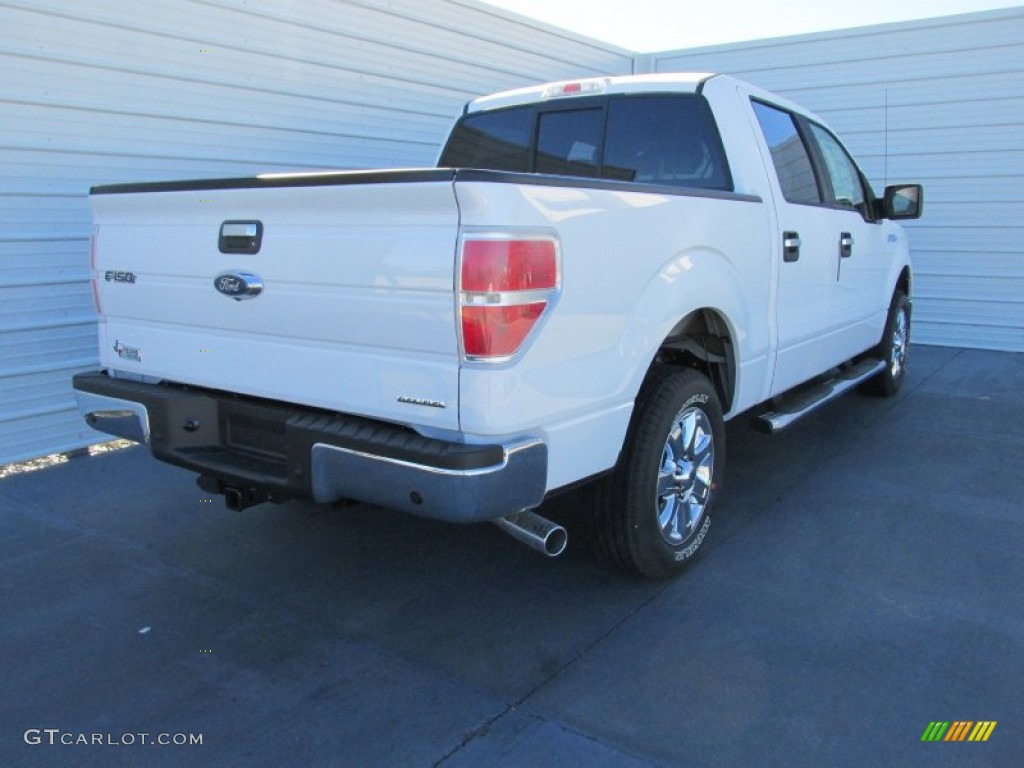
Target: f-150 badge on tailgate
column 119, row 277
column 238, row 285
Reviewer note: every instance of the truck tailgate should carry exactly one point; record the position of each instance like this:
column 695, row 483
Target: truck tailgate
column 356, row 312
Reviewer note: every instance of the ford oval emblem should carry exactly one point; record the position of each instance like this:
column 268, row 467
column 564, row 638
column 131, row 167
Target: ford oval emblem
column 238, row 285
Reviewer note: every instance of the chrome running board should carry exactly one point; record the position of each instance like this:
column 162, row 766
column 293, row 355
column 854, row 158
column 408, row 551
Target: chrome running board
column 797, row 403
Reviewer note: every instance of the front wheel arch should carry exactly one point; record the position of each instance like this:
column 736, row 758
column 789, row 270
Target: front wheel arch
column 893, row 349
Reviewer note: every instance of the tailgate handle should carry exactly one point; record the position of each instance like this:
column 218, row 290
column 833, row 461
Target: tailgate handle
column 240, row 237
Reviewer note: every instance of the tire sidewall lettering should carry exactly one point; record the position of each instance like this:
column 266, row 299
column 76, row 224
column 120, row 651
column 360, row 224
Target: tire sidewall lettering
column 693, row 546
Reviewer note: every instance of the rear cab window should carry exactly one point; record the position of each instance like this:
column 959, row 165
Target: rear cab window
column 499, row 140
column 652, row 139
column 569, row 142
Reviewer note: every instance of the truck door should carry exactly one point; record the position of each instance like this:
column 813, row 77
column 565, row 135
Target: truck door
column 861, row 295
column 806, row 250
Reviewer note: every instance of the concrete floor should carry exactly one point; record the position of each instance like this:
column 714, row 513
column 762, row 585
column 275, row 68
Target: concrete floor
column 863, row 577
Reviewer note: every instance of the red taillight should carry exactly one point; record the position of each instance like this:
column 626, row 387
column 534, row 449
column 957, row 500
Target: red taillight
column 508, row 265
column 497, row 331
column 506, row 286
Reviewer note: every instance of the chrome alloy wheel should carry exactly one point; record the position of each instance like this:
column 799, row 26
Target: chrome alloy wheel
column 900, row 342
column 684, row 479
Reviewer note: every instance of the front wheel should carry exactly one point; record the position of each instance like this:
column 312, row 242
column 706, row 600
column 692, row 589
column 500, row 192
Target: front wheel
column 893, row 349
column 651, row 515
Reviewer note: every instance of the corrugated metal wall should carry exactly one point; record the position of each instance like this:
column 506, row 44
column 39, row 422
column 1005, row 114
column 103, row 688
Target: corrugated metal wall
column 111, row 91
column 119, row 90
column 937, row 101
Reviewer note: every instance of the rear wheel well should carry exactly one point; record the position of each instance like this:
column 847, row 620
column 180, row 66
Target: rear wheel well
column 702, row 341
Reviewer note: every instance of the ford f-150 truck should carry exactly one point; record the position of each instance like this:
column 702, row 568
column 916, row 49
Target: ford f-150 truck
column 595, row 277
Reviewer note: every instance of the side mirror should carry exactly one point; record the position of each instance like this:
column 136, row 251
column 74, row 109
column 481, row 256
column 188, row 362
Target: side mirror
column 903, row 201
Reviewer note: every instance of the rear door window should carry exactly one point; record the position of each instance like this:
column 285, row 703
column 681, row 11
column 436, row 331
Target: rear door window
column 790, row 156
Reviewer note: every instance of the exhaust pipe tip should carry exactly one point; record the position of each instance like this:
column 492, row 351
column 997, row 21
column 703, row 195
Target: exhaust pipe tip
column 556, row 542
column 536, row 532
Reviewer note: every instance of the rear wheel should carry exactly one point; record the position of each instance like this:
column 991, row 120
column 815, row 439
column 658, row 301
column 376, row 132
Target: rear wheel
column 893, row 349
column 651, row 515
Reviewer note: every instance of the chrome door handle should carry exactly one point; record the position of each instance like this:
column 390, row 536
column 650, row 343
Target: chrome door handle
column 846, row 245
column 790, row 246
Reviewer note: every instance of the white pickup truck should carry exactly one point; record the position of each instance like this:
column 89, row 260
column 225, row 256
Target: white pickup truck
column 597, row 274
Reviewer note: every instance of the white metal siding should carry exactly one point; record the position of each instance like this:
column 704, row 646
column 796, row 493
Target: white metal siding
column 112, row 90
column 939, row 101
column 119, row 90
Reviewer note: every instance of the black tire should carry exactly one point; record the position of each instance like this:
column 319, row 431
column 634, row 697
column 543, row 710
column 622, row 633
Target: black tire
column 894, row 349
column 646, row 521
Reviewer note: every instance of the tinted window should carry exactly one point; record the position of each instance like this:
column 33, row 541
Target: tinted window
column 569, row 142
column 846, row 184
column 661, row 140
column 664, row 140
column 497, row 140
column 789, row 155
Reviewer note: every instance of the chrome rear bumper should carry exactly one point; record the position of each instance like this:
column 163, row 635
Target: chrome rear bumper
column 289, row 451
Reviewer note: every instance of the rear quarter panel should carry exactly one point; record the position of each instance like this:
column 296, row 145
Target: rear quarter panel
column 633, row 264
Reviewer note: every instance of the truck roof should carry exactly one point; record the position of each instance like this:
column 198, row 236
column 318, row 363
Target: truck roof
column 683, row 82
